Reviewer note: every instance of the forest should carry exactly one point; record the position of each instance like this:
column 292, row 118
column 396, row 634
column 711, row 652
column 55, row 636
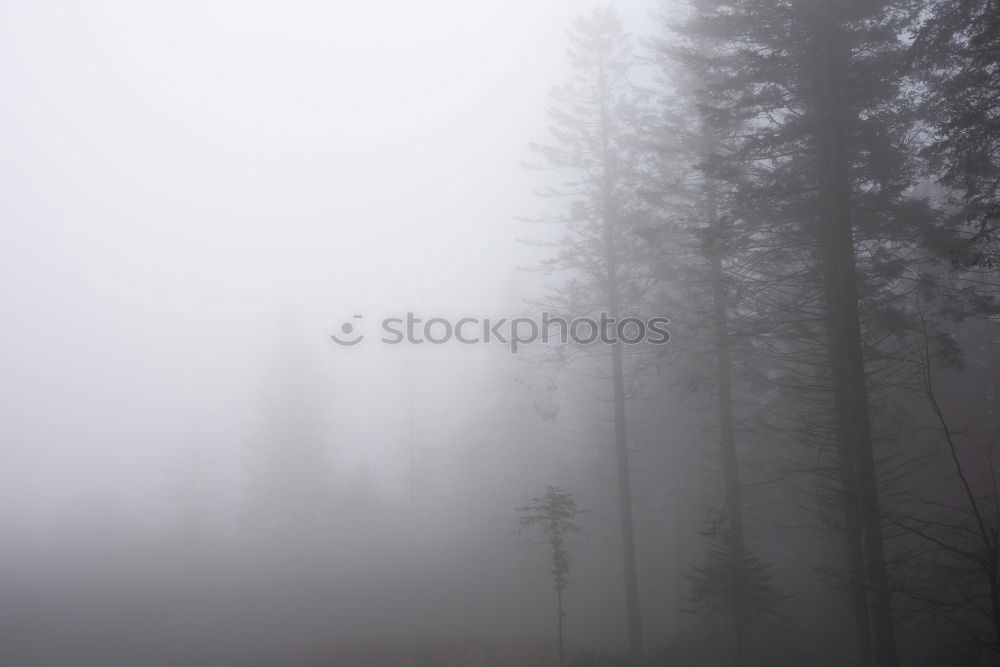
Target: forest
column 695, row 334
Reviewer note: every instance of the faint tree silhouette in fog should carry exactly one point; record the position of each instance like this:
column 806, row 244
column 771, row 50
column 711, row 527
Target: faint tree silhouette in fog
column 732, row 582
column 554, row 514
column 190, row 495
column 288, row 492
column 702, row 245
column 594, row 125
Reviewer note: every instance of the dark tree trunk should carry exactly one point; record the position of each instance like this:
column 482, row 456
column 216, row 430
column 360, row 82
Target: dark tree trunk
column 559, row 629
column 851, row 507
column 610, row 214
column 844, row 327
column 727, row 429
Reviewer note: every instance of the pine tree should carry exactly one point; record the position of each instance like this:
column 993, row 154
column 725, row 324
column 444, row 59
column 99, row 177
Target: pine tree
column 732, row 582
column 554, row 514
column 821, row 168
column 956, row 57
column 698, row 243
column 594, row 123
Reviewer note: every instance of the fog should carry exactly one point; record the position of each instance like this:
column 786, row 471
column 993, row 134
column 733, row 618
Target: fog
column 196, row 199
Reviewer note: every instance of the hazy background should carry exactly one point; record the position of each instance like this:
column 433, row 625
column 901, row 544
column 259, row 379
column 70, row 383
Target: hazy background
column 177, row 176
column 185, row 189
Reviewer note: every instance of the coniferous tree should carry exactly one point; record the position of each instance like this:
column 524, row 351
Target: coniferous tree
column 700, row 245
column 732, row 582
column 821, row 170
column 594, row 124
column 956, row 54
column 554, row 514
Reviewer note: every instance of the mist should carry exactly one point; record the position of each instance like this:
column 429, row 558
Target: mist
column 525, row 333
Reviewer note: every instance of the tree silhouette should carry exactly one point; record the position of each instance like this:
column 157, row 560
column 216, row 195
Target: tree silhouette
column 554, row 514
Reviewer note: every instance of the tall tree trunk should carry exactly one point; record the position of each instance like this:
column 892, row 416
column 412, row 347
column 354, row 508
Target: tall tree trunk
column 559, row 629
column 844, row 326
column 727, row 429
column 727, row 441
column 634, row 617
column 849, row 501
column 610, row 214
column 632, row 609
